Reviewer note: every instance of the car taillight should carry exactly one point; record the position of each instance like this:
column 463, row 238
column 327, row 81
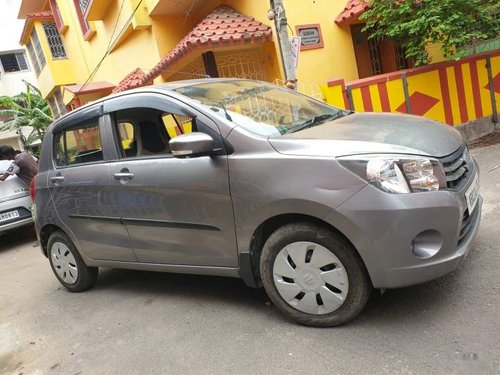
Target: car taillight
column 32, row 189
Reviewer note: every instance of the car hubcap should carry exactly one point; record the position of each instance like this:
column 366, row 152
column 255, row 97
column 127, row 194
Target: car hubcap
column 64, row 263
column 310, row 278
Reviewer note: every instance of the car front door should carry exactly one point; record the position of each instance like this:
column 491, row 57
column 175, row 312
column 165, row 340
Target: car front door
column 79, row 188
column 177, row 211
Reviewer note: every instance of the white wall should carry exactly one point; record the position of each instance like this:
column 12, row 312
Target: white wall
column 10, row 31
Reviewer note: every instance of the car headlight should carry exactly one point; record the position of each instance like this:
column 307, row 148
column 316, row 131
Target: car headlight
column 397, row 173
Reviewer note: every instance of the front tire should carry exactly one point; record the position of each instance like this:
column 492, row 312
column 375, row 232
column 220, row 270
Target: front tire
column 313, row 275
column 68, row 265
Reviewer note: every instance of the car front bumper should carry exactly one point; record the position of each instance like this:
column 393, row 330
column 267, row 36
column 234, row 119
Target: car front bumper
column 408, row 239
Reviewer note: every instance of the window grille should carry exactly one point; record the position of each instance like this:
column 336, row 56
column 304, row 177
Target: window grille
column 81, row 7
column 55, row 42
column 374, row 56
column 241, row 64
column 38, row 49
column 34, row 60
column 401, row 58
column 84, row 5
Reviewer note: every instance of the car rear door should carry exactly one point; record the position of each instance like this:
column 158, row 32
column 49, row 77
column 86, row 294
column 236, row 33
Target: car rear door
column 79, row 187
column 177, row 211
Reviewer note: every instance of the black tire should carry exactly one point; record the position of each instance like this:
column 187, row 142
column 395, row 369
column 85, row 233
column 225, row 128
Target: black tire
column 86, row 277
column 359, row 285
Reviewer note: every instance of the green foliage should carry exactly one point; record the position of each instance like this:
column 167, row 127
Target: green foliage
column 27, row 111
column 416, row 24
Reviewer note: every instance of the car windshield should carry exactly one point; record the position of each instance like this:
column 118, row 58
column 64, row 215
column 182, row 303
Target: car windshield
column 259, row 107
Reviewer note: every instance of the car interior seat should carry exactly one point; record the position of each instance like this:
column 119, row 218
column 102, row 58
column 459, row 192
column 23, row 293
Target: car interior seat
column 152, row 139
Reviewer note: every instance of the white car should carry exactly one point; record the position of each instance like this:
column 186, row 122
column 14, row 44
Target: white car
column 15, row 201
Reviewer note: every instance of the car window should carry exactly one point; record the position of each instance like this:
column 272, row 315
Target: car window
column 147, row 131
column 126, row 136
column 177, row 124
column 259, row 107
column 79, row 145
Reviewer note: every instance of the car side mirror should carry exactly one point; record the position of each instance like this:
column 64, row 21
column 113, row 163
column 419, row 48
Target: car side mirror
column 193, row 144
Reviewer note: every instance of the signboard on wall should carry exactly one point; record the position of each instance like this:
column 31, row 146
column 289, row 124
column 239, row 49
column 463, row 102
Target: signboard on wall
column 310, row 36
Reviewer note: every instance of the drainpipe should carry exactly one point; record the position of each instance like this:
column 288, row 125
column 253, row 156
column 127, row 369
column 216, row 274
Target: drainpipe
column 281, row 25
column 491, row 86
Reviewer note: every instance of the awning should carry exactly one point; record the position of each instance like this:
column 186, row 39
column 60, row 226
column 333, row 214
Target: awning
column 352, row 11
column 223, row 27
column 71, row 91
column 45, row 15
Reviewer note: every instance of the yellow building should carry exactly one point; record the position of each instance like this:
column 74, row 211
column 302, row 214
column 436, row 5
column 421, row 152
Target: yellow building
column 84, row 49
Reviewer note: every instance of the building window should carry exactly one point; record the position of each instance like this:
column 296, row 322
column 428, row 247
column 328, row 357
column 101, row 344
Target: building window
column 374, row 56
column 401, row 59
column 13, row 62
column 81, row 7
column 54, row 39
column 34, row 60
column 61, row 27
column 36, row 53
column 79, row 145
column 56, row 104
column 84, row 5
column 60, row 103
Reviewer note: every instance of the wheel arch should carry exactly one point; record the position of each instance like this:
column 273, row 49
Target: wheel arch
column 265, row 229
column 45, row 233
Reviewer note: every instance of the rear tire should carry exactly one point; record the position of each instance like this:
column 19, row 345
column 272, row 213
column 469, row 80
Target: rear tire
column 68, row 265
column 313, row 275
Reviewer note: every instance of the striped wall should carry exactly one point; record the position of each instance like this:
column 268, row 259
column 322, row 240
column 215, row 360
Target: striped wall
column 451, row 92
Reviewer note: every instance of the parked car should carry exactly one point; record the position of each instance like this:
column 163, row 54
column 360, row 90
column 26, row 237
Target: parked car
column 15, row 202
column 246, row 179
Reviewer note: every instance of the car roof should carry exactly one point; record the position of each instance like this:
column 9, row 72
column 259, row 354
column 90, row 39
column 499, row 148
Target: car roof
column 162, row 87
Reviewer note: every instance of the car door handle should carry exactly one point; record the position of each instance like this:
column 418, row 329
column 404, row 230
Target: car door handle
column 123, row 175
column 57, row 179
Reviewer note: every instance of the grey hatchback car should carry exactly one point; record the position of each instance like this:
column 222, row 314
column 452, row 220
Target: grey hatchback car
column 245, row 179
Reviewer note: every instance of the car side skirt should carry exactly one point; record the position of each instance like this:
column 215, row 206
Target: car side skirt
column 173, row 268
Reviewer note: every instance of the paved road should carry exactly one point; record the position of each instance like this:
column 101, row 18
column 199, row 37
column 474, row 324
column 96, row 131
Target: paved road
column 151, row 323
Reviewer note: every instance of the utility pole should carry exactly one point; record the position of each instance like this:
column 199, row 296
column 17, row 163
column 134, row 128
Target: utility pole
column 281, row 25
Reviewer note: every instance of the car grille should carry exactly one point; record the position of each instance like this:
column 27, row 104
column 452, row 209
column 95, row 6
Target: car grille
column 467, row 224
column 458, row 167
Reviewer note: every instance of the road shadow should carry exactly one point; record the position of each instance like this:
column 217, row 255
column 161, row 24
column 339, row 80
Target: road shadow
column 193, row 287
column 409, row 306
column 17, row 237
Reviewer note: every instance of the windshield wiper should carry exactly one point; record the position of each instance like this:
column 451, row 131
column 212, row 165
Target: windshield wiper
column 313, row 121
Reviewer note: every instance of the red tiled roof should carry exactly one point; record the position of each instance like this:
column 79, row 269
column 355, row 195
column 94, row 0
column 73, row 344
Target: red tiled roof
column 90, row 88
column 224, row 26
column 352, row 10
column 45, row 15
column 132, row 80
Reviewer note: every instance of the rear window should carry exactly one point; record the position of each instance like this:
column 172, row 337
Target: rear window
column 79, row 145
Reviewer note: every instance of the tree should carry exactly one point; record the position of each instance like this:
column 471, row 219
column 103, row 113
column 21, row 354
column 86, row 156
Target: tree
column 27, row 111
column 416, row 24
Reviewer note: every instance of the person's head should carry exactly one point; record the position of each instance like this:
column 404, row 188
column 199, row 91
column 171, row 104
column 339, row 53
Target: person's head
column 7, row 152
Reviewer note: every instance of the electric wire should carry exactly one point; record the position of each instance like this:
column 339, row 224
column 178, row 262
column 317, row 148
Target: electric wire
column 108, row 50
